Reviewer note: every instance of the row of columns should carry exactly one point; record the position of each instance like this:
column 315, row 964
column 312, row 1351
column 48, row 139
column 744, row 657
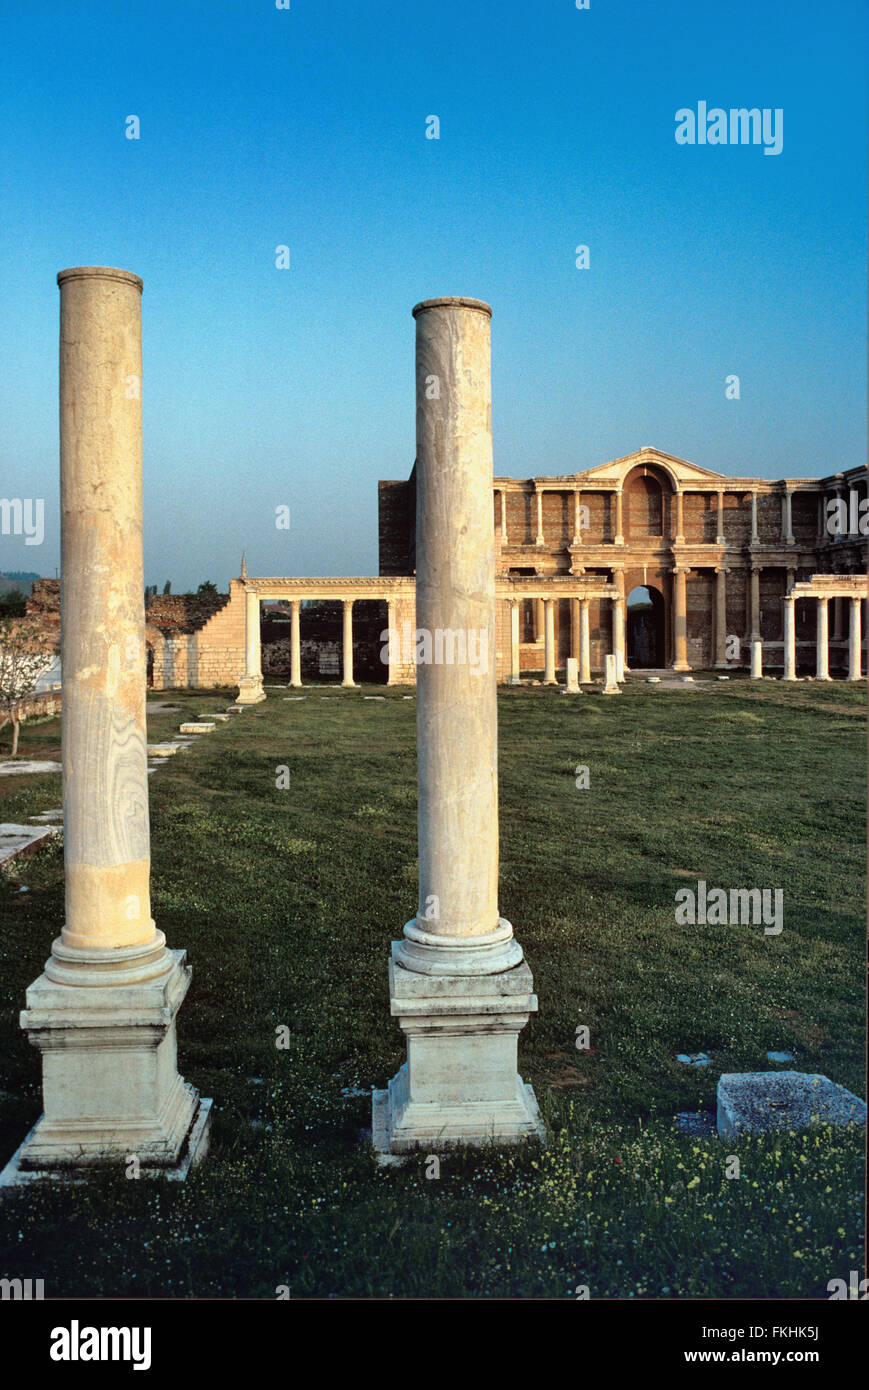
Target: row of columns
column 787, row 534
column 822, row 670
column 580, row 640
column 251, row 686
column 580, row 644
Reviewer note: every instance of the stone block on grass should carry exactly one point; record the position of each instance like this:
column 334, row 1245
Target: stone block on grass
column 755, row 1102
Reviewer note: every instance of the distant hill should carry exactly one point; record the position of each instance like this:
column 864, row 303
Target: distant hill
column 17, row 579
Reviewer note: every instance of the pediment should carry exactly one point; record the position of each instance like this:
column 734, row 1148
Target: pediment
column 679, row 469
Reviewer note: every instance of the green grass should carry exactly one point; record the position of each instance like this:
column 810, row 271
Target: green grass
column 286, row 902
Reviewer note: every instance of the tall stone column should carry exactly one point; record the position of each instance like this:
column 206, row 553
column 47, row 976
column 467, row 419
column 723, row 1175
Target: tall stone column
column 103, row 1012
column 619, row 538
column 250, row 688
column 619, row 624
column 822, row 665
column 577, row 516
column 538, row 619
column 390, row 642
column 458, row 983
column 788, row 536
column 679, row 538
column 720, row 538
column 680, row 619
column 754, row 516
column 549, row 663
column 854, row 642
column 584, row 643
column 295, row 643
column 755, row 603
column 756, row 659
column 720, row 616
column 503, row 516
column 790, row 636
column 539, row 538
column 574, row 627
column 347, row 644
column 514, row 642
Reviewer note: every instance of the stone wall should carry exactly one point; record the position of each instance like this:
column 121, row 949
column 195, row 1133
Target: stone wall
column 195, row 640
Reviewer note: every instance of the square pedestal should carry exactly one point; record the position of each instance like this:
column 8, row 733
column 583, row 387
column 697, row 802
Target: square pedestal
column 110, row 1081
column 459, row 1084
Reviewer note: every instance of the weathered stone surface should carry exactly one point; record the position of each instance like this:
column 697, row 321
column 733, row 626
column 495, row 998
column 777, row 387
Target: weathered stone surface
column 458, row 984
column 200, row 727
column 162, row 750
column 754, row 1102
column 19, row 840
column 102, row 1014
column 23, row 767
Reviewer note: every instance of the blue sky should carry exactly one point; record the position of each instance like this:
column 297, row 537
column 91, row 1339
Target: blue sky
column 306, row 128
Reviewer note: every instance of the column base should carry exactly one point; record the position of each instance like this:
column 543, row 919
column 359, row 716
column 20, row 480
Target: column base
column 250, row 691
column 110, row 1081
column 194, row 1150
column 460, row 1083
column 349, row 685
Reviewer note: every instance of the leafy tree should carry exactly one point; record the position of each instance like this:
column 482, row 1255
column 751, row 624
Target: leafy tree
column 13, row 604
column 207, row 588
column 167, row 587
column 26, row 653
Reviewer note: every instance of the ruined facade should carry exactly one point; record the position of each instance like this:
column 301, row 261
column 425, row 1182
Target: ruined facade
column 717, row 555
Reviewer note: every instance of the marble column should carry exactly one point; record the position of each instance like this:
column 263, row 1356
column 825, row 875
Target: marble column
column 295, row 643
column 788, row 523
column 574, row 627
column 755, row 602
column 790, row 641
column 680, row 619
column 619, row 624
column 514, row 642
column 854, row 642
column 577, row 516
column 549, row 661
column 103, row 1012
column 679, row 538
column 539, row 538
column 822, row 664
column 584, row 643
column 459, row 986
column 538, row 619
column 347, row 645
column 720, row 538
column 392, row 638
column 756, row 659
column 720, row 616
column 619, row 538
column 250, row 687
column 754, row 516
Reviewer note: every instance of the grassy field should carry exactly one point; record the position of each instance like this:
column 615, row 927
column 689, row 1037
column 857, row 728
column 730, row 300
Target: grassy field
column 287, row 900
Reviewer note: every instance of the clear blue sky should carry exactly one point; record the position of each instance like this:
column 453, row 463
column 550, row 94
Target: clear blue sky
column 306, row 127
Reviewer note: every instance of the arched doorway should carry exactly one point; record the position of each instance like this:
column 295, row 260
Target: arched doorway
column 645, row 628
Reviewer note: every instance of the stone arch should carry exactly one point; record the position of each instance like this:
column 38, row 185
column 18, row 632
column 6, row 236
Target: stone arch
column 647, row 492
column 645, row 631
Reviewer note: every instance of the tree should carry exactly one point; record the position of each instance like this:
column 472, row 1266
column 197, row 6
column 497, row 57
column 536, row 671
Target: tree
column 26, row 653
column 13, row 604
column 167, row 587
column 207, row 588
